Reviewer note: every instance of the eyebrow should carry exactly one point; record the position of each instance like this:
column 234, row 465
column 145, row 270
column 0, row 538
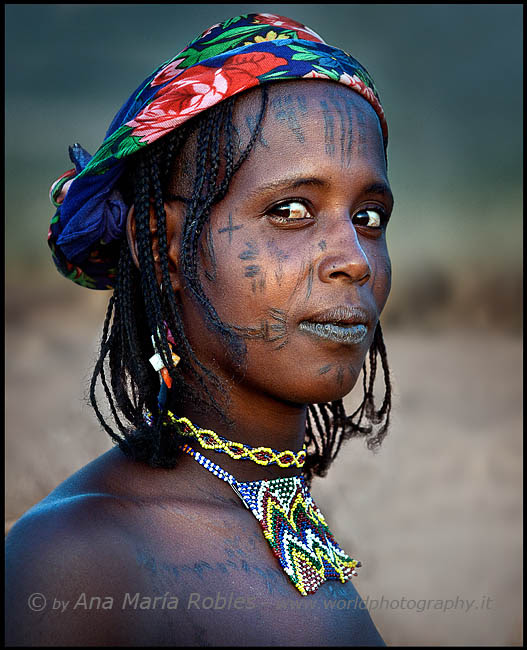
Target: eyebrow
column 288, row 184
column 296, row 181
column 378, row 188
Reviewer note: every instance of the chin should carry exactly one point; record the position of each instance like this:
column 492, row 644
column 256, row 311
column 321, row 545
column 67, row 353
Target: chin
column 330, row 390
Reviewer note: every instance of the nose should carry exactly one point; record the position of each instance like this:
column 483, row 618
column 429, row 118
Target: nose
column 345, row 260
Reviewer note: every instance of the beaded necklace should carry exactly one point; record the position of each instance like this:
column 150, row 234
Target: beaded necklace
column 293, row 525
column 209, row 439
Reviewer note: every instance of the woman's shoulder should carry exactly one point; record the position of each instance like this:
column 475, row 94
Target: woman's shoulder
column 85, row 505
column 79, row 545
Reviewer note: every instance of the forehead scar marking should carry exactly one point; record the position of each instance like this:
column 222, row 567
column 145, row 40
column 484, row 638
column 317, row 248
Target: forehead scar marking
column 342, row 131
column 349, row 148
column 250, row 253
column 284, row 111
column 361, row 121
column 237, row 138
column 250, row 120
column 338, row 100
column 302, row 104
column 230, row 228
column 324, row 369
column 329, row 127
column 322, row 245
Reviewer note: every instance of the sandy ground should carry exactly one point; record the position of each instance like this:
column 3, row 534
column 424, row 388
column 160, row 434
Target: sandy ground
column 435, row 516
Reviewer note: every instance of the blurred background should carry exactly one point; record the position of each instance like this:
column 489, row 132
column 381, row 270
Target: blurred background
column 436, row 514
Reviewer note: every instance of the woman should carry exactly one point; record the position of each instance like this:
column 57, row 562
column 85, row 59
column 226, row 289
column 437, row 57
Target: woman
column 241, row 223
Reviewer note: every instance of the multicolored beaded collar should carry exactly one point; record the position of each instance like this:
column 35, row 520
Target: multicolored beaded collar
column 293, row 525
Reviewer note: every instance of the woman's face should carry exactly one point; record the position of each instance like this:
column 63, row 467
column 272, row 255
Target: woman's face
column 295, row 257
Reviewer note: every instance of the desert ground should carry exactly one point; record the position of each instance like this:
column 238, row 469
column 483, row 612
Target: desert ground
column 435, row 516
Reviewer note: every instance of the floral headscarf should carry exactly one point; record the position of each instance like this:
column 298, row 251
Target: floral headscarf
column 228, row 58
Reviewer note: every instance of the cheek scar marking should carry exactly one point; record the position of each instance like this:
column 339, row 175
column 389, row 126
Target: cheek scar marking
column 324, row 369
column 322, row 245
column 299, row 279
column 251, row 253
column 309, row 281
column 281, row 256
column 211, row 275
column 273, row 331
column 230, row 228
column 251, row 271
column 340, row 375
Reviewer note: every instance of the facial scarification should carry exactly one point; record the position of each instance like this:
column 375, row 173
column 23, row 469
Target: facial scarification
column 318, row 150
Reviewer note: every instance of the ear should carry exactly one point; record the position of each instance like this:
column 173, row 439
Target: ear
column 174, row 221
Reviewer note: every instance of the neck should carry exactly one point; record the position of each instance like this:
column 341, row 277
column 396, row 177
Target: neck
column 255, row 420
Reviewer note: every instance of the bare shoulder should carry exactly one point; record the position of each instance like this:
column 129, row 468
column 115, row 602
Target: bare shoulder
column 70, row 559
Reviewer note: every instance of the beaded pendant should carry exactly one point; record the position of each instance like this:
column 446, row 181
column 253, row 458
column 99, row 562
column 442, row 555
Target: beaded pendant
column 293, row 525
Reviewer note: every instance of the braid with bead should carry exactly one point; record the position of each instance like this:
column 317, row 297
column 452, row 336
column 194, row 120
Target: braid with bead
column 142, row 307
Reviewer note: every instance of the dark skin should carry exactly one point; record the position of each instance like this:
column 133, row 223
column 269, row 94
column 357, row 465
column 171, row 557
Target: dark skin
column 270, row 259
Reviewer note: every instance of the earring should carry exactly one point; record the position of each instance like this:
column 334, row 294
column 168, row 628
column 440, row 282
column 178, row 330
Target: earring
column 164, row 377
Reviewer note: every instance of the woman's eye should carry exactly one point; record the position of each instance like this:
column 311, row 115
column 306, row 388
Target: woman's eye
column 370, row 218
column 292, row 211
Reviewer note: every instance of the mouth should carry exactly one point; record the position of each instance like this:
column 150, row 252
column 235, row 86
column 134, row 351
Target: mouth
column 343, row 324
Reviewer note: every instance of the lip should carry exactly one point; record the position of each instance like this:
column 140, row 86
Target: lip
column 347, row 324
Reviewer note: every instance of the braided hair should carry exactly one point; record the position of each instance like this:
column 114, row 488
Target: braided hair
column 141, row 307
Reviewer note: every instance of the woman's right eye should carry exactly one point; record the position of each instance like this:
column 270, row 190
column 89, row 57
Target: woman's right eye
column 290, row 212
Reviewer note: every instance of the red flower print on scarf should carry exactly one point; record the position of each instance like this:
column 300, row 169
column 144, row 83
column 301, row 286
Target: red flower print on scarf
column 167, row 73
column 279, row 21
column 199, row 88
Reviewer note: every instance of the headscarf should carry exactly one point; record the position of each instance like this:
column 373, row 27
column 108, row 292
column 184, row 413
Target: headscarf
column 228, row 58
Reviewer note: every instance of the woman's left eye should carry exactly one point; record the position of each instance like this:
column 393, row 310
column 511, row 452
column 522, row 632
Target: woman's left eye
column 369, row 217
column 292, row 211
